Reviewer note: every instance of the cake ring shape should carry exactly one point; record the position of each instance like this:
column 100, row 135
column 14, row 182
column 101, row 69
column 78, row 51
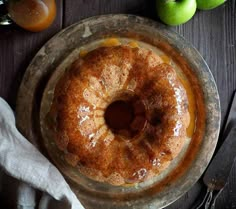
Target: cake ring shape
column 119, row 114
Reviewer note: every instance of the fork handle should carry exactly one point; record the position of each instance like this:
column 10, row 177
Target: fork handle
column 214, row 200
column 209, row 199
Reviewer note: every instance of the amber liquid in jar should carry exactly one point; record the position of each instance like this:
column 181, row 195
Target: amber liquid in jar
column 32, row 15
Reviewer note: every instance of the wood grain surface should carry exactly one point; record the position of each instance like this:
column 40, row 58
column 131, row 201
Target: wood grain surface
column 213, row 33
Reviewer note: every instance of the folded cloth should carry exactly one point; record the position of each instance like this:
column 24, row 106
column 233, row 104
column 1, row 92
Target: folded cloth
column 21, row 160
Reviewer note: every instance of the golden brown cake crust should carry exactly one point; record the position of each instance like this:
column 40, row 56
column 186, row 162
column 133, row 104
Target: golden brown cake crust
column 92, row 83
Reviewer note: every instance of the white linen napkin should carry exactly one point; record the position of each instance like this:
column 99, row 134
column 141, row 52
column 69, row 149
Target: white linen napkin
column 21, row 160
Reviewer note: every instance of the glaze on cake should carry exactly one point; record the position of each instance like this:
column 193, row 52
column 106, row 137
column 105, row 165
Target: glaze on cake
column 120, row 114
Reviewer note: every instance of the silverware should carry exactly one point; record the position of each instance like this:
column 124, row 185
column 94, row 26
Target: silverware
column 216, row 175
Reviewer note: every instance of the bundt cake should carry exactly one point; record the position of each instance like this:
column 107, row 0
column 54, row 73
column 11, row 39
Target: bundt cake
column 120, row 114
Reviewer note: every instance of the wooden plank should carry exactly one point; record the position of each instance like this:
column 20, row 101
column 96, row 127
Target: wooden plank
column 17, row 48
column 77, row 10
column 213, row 33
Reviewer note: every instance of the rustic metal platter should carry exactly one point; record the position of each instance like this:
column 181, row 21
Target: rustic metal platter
column 58, row 52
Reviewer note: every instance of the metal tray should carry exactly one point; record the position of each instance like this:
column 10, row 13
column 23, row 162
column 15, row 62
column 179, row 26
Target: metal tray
column 58, row 52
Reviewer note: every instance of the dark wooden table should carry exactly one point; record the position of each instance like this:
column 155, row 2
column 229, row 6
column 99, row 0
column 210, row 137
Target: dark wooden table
column 213, row 33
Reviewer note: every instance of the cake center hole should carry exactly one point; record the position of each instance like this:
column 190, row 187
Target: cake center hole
column 119, row 115
column 126, row 117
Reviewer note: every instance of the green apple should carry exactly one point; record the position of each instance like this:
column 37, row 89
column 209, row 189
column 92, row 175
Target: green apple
column 209, row 4
column 176, row 12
